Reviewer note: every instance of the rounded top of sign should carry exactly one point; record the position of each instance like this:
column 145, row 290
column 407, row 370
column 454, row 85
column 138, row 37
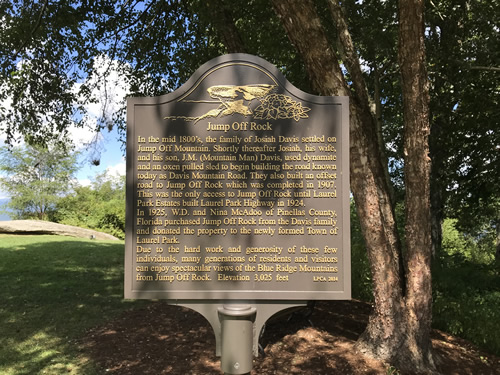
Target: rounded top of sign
column 239, row 77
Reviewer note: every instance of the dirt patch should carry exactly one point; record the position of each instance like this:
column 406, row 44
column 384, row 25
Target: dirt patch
column 163, row 339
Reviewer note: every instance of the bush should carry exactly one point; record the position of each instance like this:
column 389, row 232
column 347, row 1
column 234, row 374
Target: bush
column 466, row 298
column 100, row 206
column 466, row 288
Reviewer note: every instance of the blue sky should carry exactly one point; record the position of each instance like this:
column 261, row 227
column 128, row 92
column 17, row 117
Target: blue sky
column 111, row 158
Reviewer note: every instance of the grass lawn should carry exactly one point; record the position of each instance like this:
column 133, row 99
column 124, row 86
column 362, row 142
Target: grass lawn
column 52, row 289
column 55, row 288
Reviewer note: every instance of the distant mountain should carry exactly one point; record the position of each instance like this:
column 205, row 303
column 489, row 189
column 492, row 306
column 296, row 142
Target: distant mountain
column 3, row 216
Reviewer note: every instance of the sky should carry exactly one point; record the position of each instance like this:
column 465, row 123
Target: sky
column 109, row 97
column 112, row 159
column 109, row 147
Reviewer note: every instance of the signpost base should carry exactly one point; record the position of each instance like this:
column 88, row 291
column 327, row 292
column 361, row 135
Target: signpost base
column 237, row 338
column 237, row 326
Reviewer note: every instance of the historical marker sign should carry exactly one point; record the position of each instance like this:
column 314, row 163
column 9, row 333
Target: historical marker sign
column 238, row 189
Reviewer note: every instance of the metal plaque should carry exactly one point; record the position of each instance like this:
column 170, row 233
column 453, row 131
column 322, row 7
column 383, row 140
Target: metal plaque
column 238, row 189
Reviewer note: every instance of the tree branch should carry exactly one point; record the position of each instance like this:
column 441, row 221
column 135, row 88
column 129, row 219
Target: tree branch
column 33, row 31
column 349, row 55
column 487, row 68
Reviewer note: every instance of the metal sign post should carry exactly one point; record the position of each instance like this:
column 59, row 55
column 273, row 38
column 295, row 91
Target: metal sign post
column 237, row 338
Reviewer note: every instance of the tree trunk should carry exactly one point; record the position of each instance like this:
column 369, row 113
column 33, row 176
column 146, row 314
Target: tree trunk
column 438, row 187
column 497, row 252
column 364, row 102
column 377, row 110
column 399, row 327
column 415, row 89
column 436, row 214
column 385, row 332
column 223, row 21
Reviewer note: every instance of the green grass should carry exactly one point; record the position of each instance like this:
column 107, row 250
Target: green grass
column 52, row 289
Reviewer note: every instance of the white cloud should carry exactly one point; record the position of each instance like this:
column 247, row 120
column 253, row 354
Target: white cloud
column 109, row 93
column 85, row 182
column 83, row 136
column 110, row 88
column 117, row 170
column 87, row 177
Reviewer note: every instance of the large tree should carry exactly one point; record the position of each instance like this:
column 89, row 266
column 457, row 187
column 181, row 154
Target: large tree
column 319, row 45
column 399, row 326
column 36, row 178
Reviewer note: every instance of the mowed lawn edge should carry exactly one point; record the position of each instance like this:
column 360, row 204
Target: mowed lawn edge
column 53, row 289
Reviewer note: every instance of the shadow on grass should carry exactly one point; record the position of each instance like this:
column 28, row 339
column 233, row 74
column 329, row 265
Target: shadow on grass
column 53, row 289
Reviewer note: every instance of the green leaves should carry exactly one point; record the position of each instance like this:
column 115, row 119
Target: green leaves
column 100, row 206
column 36, row 177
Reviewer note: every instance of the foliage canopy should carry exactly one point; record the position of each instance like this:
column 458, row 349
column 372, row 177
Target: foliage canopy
column 48, row 51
